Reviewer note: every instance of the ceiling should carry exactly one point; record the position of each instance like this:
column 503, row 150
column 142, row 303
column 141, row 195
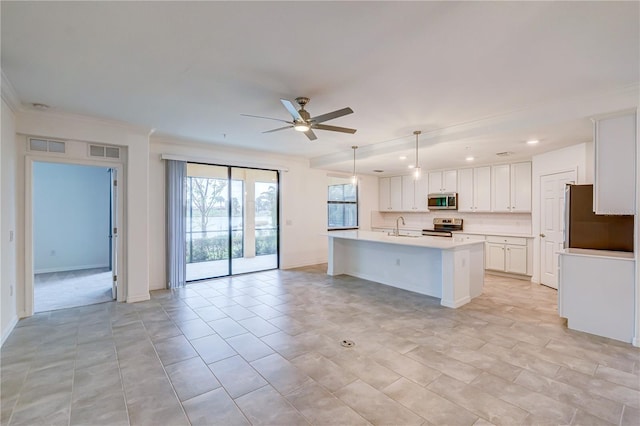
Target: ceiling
column 476, row 78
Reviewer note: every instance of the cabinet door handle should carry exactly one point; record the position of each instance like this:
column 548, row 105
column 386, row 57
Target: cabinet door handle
column 542, row 235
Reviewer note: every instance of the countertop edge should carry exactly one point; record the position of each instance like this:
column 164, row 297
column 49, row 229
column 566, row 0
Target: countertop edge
column 602, row 254
column 421, row 241
column 496, row 234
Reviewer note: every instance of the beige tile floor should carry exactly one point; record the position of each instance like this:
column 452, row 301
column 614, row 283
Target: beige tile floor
column 265, row 349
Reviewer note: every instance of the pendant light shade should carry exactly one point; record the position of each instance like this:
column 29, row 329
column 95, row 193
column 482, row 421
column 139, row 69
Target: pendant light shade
column 417, row 171
column 354, row 177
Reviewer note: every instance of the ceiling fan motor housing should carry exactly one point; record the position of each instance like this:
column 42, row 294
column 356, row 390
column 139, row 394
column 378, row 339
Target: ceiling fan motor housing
column 304, row 114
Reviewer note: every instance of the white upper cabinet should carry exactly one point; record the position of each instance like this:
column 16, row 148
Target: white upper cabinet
column 482, row 188
column 615, row 164
column 520, row 180
column 408, row 192
column 395, row 192
column 384, row 194
column 511, row 187
column 443, row 181
column 390, row 194
column 402, row 193
column 421, row 193
column 414, row 194
column 500, row 187
column 465, row 190
column 474, row 189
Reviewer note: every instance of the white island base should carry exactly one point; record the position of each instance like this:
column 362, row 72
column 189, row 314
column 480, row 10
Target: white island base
column 449, row 269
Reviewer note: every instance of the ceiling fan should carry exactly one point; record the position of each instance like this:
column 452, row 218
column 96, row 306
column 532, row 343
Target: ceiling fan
column 303, row 122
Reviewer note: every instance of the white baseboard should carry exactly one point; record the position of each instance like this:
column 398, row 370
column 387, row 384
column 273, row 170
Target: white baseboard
column 9, row 328
column 68, row 268
column 138, row 298
column 303, row 263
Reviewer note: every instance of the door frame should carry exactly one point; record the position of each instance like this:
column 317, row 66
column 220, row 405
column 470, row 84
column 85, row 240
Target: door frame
column 30, row 159
column 540, row 203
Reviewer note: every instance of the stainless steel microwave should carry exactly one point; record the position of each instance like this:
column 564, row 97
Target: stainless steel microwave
column 445, row 201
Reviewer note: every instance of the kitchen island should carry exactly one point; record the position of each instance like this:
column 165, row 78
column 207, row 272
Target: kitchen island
column 447, row 268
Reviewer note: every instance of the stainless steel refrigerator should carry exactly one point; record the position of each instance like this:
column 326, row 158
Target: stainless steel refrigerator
column 587, row 230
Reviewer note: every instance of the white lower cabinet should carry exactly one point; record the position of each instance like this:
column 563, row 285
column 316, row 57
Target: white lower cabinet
column 595, row 292
column 506, row 254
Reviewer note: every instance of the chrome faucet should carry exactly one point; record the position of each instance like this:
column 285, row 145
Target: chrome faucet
column 397, row 230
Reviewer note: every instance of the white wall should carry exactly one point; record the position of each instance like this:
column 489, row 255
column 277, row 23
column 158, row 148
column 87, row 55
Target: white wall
column 303, row 209
column 576, row 157
column 133, row 184
column 8, row 195
column 71, row 212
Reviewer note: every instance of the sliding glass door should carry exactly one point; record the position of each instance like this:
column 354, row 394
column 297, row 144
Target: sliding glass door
column 232, row 220
column 257, row 233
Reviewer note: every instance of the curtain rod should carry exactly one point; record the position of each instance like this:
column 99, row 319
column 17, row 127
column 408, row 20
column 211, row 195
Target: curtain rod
column 207, row 160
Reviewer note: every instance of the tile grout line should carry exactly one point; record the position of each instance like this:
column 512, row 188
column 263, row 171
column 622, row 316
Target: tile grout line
column 124, row 392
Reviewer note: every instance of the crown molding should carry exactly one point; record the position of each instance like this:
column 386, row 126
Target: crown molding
column 9, row 94
column 89, row 119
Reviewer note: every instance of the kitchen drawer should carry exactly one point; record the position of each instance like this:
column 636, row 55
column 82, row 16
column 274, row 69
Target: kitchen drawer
column 516, row 241
column 468, row 237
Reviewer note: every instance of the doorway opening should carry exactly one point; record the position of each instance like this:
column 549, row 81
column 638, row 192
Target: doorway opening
column 232, row 221
column 74, row 235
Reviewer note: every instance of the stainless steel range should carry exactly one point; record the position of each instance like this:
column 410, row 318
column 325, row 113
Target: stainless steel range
column 443, row 227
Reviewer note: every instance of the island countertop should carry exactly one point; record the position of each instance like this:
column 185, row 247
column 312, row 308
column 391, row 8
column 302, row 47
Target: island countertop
column 442, row 243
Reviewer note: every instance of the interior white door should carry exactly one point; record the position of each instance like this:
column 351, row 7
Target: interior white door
column 114, row 232
column 552, row 223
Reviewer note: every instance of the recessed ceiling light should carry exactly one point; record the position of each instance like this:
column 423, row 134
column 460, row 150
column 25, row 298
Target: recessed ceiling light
column 470, row 158
column 403, row 157
column 532, row 141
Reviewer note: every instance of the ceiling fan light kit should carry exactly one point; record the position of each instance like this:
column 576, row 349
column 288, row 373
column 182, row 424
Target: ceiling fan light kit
column 301, row 126
column 303, row 122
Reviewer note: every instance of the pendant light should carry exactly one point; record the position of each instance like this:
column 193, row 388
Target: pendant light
column 417, row 172
column 354, row 177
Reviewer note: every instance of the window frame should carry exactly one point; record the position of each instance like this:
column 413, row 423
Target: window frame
column 344, row 203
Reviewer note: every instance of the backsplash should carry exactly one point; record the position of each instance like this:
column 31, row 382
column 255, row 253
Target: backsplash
column 508, row 223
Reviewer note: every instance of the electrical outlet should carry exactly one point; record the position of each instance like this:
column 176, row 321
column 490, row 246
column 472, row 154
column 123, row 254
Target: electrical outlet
column 11, row 290
column 397, row 262
column 10, row 236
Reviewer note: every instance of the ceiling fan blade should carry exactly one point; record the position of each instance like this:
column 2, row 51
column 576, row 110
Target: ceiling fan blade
column 334, row 128
column 331, row 115
column 312, row 136
column 279, row 128
column 292, row 110
column 266, row 118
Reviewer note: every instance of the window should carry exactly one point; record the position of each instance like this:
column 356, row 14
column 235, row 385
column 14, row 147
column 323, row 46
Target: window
column 342, row 203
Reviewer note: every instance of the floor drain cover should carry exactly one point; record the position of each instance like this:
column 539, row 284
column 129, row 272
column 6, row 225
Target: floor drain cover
column 347, row 343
